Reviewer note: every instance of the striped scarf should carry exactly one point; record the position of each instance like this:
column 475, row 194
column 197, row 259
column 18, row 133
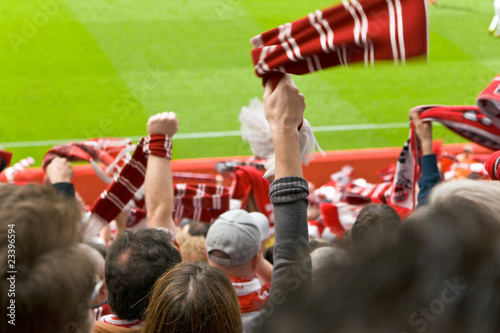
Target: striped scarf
column 479, row 124
column 353, row 31
column 200, row 202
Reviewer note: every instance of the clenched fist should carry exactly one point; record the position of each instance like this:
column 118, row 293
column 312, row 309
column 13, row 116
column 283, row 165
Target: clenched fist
column 165, row 123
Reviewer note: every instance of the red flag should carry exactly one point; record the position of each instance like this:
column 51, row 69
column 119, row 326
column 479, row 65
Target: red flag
column 248, row 179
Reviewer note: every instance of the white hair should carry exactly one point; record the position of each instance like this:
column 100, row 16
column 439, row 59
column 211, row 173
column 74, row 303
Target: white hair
column 256, row 131
column 484, row 194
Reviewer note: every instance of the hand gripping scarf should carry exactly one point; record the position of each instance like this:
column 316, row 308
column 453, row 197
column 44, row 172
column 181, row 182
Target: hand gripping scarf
column 353, row 31
column 479, row 124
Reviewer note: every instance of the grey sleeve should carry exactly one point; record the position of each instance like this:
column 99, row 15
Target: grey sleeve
column 292, row 262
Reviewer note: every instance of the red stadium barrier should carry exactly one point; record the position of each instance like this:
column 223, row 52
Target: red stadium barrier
column 365, row 162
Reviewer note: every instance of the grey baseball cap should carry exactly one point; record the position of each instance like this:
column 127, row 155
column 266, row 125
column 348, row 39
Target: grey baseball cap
column 262, row 223
column 235, row 233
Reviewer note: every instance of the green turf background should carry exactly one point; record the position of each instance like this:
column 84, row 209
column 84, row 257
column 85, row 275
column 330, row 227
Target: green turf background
column 85, row 68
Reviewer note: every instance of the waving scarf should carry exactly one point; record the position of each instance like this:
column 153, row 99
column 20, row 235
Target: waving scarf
column 479, row 124
column 353, row 31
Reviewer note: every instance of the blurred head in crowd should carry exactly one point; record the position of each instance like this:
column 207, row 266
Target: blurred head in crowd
column 440, row 274
column 193, row 297
column 375, row 227
column 100, row 293
column 53, row 281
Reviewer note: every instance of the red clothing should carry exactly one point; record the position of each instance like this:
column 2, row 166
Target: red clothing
column 113, row 324
column 101, row 311
column 253, row 296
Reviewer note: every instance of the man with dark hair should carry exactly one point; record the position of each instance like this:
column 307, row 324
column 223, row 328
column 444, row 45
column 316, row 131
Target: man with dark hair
column 47, row 278
column 136, row 260
column 133, row 264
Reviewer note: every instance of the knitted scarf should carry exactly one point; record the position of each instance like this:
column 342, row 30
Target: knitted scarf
column 202, row 202
column 199, row 202
column 479, row 124
column 353, row 31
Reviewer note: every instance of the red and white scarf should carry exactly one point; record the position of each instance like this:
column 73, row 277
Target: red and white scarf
column 252, row 296
column 101, row 311
column 353, row 31
column 115, row 321
column 341, row 212
column 101, row 150
column 479, row 124
column 202, row 202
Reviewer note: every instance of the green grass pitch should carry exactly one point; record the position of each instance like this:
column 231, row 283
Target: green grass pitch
column 85, row 68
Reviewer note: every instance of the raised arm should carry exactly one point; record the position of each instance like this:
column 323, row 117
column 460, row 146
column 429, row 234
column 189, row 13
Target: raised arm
column 423, row 131
column 158, row 183
column 284, row 108
column 60, row 174
column 430, row 172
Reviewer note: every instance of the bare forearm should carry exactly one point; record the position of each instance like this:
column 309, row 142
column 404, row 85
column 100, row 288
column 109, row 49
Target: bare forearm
column 427, row 146
column 286, row 149
column 159, row 193
column 264, row 270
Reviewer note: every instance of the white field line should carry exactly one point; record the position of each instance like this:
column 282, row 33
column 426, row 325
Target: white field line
column 205, row 135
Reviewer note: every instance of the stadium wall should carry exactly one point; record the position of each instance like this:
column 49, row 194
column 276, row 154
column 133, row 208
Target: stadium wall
column 366, row 163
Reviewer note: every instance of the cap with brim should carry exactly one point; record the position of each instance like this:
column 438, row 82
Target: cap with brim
column 262, row 223
column 236, row 234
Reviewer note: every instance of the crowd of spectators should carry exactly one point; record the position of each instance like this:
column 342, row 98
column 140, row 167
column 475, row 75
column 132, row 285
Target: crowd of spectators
column 437, row 270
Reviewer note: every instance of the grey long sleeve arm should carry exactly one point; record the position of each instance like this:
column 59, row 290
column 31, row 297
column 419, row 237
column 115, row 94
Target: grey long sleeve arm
column 292, row 262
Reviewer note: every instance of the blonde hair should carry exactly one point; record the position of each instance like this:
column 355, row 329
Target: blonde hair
column 192, row 249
